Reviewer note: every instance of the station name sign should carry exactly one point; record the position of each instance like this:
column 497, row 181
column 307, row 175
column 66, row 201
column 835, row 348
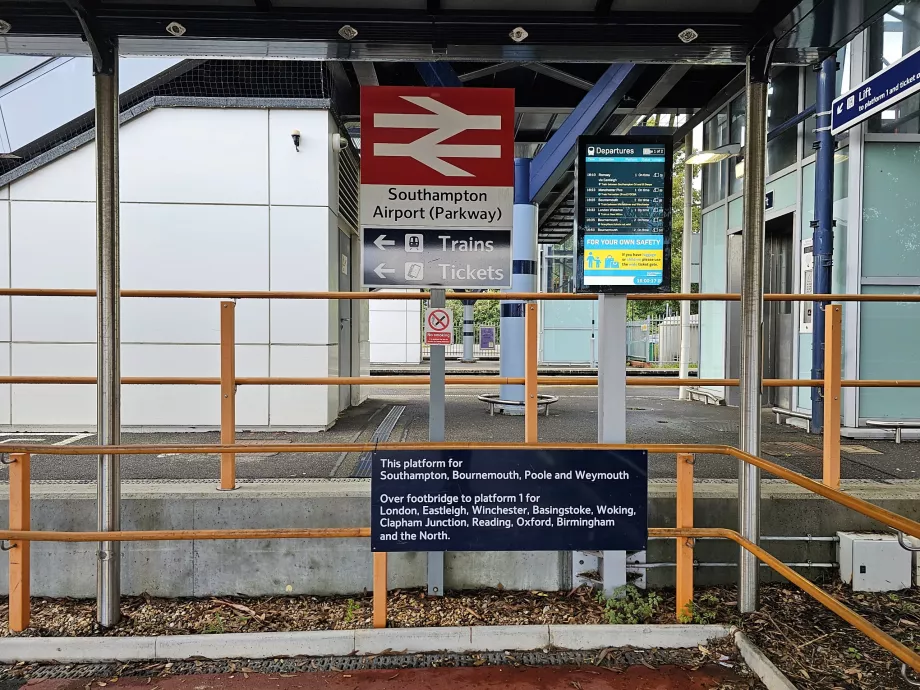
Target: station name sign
column 437, row 186
column 624, row 214
column 513, row 500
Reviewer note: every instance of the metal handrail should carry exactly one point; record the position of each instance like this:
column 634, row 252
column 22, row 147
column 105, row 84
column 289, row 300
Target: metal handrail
column 871, row 631
column 409, row 296
column 865, row 508
column 450, row 379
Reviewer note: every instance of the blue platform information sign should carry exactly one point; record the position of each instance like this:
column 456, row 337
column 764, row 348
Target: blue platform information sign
column 509, row 500
column 879, row 92
column 624, row 210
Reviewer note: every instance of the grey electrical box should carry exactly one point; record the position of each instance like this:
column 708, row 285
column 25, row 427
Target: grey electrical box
column 873, row 562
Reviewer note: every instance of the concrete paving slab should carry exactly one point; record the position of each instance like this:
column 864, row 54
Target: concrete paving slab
column 255, row 645
column 639, row 636
column 66, row 650
column 413, row 640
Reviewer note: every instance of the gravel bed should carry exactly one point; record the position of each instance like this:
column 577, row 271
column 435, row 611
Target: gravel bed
column 813, row 647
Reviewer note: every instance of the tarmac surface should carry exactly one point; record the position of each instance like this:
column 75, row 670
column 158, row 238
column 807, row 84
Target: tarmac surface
column 654, row 415
column 498, row 677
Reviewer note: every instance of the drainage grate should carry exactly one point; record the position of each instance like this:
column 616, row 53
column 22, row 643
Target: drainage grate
column 612, row 657
column 363, row 468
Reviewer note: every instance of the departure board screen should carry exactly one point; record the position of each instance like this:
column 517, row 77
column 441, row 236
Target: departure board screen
column 624, row 214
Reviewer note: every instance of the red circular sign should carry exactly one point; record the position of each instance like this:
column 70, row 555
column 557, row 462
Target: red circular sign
column 438, row 320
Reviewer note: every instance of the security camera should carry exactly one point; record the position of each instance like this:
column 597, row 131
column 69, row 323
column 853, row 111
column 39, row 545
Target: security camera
column 295, row 135
column 339, row 143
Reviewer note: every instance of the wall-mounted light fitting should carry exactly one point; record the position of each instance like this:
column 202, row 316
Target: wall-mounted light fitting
column 295, row 135
column 688, row 35
column 5, row 27
column 518, row 34
column 348, row 32
column 175, row 28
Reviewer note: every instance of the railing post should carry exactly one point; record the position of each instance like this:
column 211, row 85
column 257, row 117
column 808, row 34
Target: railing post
column 684, row 544
column 20, row 551
column 380, row 589
column 833, row 314
column 530, row 373
column 227, row 393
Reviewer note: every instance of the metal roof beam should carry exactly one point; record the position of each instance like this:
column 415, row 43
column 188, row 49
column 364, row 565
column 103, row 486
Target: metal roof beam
column 654, row 96
column 438, row 74
column 589, row 116
column 366, row 73
column 559, row 75
column 486, row 71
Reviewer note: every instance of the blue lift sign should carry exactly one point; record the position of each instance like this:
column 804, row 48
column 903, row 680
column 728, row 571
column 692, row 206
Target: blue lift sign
column 891, row 85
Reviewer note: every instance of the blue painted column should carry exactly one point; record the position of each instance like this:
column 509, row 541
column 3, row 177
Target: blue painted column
column 523, row 279
column 823, row 225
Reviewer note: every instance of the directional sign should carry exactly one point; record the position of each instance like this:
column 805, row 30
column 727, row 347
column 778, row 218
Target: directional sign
column 879, row 92
column 439, row 326
column 437, row 161
column 435, row 258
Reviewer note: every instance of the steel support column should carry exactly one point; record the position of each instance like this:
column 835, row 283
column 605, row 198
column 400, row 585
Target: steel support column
column 108, row 341
column 523, row 279
column 752, row 243
column 686, row 249
column 823, row 225
column 468, row 332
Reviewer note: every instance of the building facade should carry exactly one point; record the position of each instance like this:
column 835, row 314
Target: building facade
column 876, row 234
column 214, row 196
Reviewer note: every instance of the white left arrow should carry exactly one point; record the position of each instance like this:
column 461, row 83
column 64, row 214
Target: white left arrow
column 382, row 242
column 382, row 270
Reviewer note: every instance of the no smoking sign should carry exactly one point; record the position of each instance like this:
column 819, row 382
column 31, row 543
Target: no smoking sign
column 439, row 326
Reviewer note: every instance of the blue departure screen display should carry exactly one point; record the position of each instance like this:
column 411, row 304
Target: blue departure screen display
column 623, row 215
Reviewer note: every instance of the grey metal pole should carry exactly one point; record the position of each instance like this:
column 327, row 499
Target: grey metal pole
column 685, row 250
column 108, row 345
column 436, row 433
column 468, row 334
column 752, row 243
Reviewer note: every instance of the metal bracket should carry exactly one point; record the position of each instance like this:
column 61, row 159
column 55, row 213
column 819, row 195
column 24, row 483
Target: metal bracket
column 5, row 459
column 905, row 676
column 905, row 545
column 760, row 60
column 6, row 546
column 103, row 47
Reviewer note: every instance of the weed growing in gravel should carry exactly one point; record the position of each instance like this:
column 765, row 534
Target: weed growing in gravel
column 214, row 627
column 629, row 605
column 352, row 607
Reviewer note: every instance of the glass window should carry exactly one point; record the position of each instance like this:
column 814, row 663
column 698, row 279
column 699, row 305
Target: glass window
column 736, row 134
column 894, row 36
column 559, row 266
column 782, row 105
column 715, row 134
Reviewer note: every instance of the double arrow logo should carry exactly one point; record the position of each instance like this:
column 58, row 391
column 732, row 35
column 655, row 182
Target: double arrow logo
column 446, row 123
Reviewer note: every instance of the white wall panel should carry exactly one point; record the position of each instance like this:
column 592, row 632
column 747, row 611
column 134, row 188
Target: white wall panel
column 299, row 247
column 5, row 389
column 194, row 247
column 190, row 405
column 299, row 405
column 53, row 245
column 69, row 178
column 54, row 404
column 189, row 155
column 190, row 321
column 299, row 179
